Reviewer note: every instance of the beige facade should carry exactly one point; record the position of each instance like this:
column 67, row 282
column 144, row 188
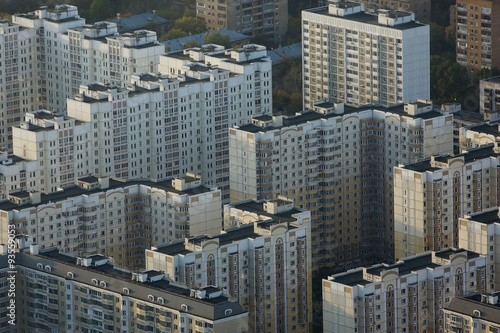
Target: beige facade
column 473, row 314
column 408, row 296
column 480, row 233
column 113, row 218
column 266, row 265
column 357, row 58
column 82, row 294
column 430, row 196
column 337, row 162
column 476, row 135
column 258, row 18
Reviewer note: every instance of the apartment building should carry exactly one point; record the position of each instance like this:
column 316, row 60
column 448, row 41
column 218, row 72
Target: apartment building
column 71, row 52
column 480, row 134
column 421, row 8
column 473, row 313
column 337, row 162
column 408, row 296
column 114, row 218
column 266, row 265
column 478, row 29
column 431, row 195
column 49, row 53
column 282, row 209
column 158, row 127
column 356, row 58
column 18, row 82
column 258, row 18
column 479, row 232
column 489, row 98
column 59, row 292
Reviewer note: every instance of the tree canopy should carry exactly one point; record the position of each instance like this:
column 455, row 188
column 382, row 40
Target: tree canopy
column 215, row 37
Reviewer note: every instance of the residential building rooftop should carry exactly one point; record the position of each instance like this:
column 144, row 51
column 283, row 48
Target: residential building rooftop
column 405, row 266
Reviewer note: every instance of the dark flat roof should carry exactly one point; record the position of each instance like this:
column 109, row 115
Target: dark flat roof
column 487, row 128
column 406, row 266
column 471, row 155
column 113, row 184
column 258, row 208
column 235, row 234
column 466, row 305
column 368, row 19
column 117, row 279
column 488, row 217
column 309, row 115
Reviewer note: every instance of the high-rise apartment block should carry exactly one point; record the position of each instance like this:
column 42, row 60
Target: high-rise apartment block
column 489, row 98
column 258, row 18
column 158, row 127
column 421, row 8
column 473, row 313
column 408, row 296
column 478, row 30
column 282, row 209
column 337, row 162
column 18, row 78
column 431, row 195
column 480, row 232
column 480, row 134
column 358, row 59
column 49, row 53
column 56, row 292
column 266, row 265
column 113, row 218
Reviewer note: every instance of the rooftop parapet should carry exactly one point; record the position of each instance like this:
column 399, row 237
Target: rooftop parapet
column 344, row 8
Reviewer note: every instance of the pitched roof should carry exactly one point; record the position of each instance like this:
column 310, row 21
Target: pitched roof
column 139, row 21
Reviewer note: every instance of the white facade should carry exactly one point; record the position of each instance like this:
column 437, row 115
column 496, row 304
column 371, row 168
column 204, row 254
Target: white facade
column 118, row 219
column 408, row 296
column 360, row 59
column 430, row 196
column 18, row 78
column 47, row 54
column 159, row 127
column 338, row 164
column 71, row 53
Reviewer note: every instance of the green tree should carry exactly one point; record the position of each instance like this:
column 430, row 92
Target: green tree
column 190, row 25
column 188, row 12
column 293, row 34
column 215, row 37
column 172, row 34
column 291, row 82
column 101, row 10
column 450, row 37
column 448, row 80
column 437, row 39
column 152, row 26
column 295, row 104
column 280, row 100
column 190, row 44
